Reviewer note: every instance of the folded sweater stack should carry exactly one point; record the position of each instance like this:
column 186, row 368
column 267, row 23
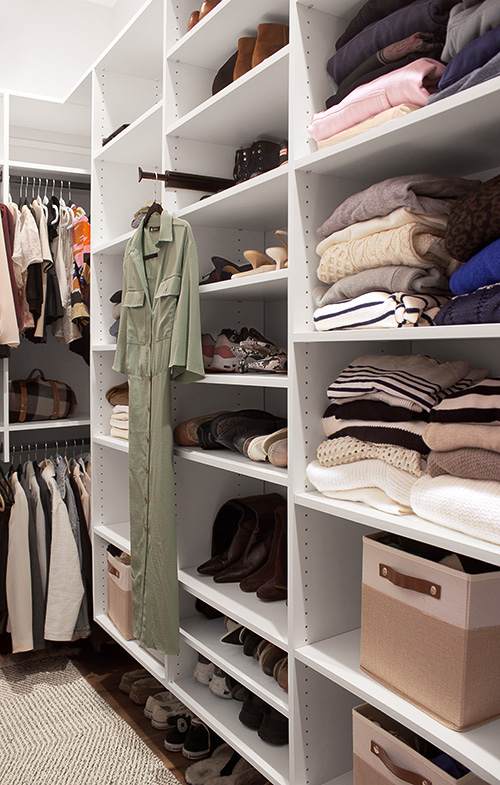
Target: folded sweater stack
column 472, row 48
column 119, row 421
column 387, row 64
column 462, row 488
column 384, row 256
column 379, row 411
column 473, row 237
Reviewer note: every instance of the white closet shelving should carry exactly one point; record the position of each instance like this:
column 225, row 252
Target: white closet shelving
column 164, row 92
column 49, row 141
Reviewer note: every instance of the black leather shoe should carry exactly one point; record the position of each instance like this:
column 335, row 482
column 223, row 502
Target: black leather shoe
column 264, row 156
column 242, row 170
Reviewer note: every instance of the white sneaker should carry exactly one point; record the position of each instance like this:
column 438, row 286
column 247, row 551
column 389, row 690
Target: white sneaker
column 218, row 684
column 204, row 672
column 160, row 715
column 160, row 699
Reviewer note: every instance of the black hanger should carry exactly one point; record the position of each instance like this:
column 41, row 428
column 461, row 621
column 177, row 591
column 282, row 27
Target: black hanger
column 155, row 208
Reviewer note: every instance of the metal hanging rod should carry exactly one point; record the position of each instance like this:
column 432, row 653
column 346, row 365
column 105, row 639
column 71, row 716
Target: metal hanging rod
column 76, row 185
column 57, row 444
column 191, row 182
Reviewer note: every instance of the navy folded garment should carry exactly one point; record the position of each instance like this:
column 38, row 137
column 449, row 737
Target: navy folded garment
column 372, row 11
column 474, row 55
column 482, row 269
column 421, row 16
column 480, row 75
column 479, row 307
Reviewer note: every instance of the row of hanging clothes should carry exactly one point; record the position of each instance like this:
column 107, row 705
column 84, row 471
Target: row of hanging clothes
column 45, row 547
column 44, row 268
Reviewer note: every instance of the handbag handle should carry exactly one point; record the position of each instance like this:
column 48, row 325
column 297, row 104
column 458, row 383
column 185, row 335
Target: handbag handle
column 409, row 582
column 403, row 774
column 40, row 373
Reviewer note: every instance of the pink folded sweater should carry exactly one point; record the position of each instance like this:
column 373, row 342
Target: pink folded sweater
column 412, row 84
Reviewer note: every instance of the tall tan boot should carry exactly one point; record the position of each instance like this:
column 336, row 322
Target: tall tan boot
column 271, row 38
column 246, row 48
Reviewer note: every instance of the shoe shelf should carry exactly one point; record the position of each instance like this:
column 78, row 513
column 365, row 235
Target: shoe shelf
column 338, row 659
column 111, row 441
column 232, row 462
column 117, row 534
column 204, row 635
column 137, row 50
column 253, row 107
column 278, row 380
column 434, row 332
column 143, row 134
column 113, row 247
column 268, row 619
column 443, row 130
column 39, row 425
column 213, row 40
column 407, row 525
column 222, row 716
column 143, row 656
column 261, row 287
column 258, row 204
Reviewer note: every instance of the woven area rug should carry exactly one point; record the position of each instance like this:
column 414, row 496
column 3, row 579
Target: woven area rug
column 55, row 729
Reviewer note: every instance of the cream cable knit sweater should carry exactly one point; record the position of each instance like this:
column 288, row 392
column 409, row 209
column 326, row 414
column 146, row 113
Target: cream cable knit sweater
column 394, row 220
column 412, row 244
column 469, row 506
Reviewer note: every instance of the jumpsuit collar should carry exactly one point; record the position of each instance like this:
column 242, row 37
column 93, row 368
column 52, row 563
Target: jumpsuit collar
column 165, row 236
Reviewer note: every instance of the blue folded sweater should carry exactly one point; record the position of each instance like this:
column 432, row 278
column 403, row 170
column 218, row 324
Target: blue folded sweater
column 474, row 55
column 482, row 269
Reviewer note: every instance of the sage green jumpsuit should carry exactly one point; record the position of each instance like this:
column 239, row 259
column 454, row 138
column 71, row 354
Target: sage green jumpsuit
column 159, row 340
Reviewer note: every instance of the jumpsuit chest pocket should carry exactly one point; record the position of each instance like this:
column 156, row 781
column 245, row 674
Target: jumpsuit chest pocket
column 134, row 311
column 165, row 305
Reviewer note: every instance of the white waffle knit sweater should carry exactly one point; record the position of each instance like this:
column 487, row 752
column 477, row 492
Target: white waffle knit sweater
column 469, row 506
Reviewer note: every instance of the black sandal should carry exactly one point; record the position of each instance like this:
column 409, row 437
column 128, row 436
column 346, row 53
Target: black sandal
column 223, row 270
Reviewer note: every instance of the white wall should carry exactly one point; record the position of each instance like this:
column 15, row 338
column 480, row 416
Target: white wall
column 48, row 46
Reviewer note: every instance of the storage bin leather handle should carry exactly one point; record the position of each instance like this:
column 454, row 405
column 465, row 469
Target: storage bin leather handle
column 113, row 571
column 403, row 774
column 409, row 582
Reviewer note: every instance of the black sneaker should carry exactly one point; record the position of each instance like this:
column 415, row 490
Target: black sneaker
column 274, row 727
column 242, row 170
column 176, row 736
column 264, row 156
column 200, row 741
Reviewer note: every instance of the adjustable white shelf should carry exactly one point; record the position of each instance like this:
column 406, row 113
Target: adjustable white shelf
column 261, row 287
column 277, row 380
column 210, row 43
column 432, row 332
column 338, row 659
column 256, row 204
column 41, row 425
column 142, row 656
column 255, row 105
column 233, row 462
column 268, row 619
column 204, row 635
column 411, row 526
column 117, row 534
column 115, row 246
column 142, row 135
column 222, row 716
column 443, row 130
column 112, row 441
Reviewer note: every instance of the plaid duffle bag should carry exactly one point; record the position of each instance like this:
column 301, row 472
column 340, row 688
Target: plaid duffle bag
column 38, row 398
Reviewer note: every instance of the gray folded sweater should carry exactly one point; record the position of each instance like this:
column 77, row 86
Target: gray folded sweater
column 412, row 280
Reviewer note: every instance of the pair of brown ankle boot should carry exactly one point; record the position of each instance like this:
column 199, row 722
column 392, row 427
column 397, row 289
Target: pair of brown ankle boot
column 253, row 50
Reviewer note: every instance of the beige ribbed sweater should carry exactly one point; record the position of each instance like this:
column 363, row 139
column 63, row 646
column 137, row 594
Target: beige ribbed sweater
column 412, row 244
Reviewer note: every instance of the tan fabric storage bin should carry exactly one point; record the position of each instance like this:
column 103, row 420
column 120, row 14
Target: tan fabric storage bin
column 431, row 634
column 382, row 759
column 120, row 596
